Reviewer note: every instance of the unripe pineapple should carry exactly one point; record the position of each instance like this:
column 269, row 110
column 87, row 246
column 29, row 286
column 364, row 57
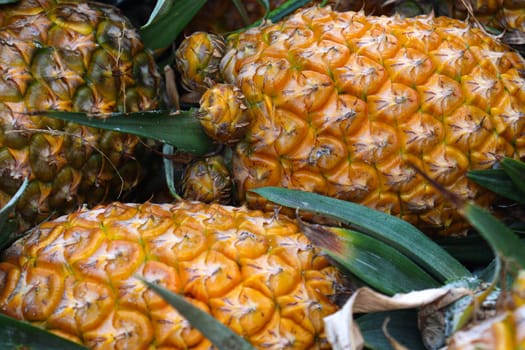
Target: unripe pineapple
column 344, row 104
column 255, row 272
column 68, row 56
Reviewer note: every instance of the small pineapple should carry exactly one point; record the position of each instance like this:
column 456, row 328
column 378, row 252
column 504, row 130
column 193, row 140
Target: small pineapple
column 255, row 272
column 343, row 104
column 68, row 56
column 208, row 180
column 223, row 114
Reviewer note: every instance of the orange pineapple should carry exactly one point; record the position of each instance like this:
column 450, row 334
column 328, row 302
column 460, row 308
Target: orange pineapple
column 344, row 104
column 257, row 273
column 207, row 180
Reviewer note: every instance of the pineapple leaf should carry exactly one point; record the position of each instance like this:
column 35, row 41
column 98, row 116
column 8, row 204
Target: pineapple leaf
column 169, row 172
column 6, row 234
column 2, row 2
column 16, row 334
column 505, row 243
column 182, row 130
column 220, row 335
column 266, row 5
column 242, row 11
column 394, row 231
column 402, row 325
column 372, row 261
column 161, row 6
column 516, row 171
column 167, row 26
column 471, row 249
column 282, row 11
column 498, row 182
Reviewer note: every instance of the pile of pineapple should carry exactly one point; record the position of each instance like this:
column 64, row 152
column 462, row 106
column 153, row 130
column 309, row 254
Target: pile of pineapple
column 385, row 110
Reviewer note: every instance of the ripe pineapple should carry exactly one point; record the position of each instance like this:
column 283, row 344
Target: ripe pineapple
column 68, row 56
column 342, row 104
column 207, row 180
column 255, row 272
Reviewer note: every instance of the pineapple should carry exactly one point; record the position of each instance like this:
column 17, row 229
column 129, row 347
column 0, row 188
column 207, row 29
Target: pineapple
column 343, row 104
column 68, row 56
column 207, row 180
column 255, row 272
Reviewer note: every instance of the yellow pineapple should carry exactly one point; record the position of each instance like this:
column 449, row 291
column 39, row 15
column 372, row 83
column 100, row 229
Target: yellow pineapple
column 257, row 273
column 207, row 180
column 344, row 104
column 68, row 56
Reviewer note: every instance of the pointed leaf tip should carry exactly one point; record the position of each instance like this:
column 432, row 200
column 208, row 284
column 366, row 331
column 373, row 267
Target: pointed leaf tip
column 394, row 231
column 15, row 334
column 220, row 335
column 181, row 130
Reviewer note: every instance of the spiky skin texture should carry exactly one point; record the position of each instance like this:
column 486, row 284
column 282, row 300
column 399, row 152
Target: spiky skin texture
column 255, row 272
column 343, row 104
column 208, row 180
column 68, row 56
column 223, row 113
column 197, row 60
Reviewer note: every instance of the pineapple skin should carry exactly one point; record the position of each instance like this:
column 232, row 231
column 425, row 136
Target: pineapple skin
column 253, row 271
column 207, row 180
column 343, row 103
column 68, row 56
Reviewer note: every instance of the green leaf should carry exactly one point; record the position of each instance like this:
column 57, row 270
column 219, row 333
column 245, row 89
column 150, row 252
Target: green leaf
column 8, row 1
column 282, row 11
column 161, row 7
column 16, row 334
column 242, row 11
column 402, row 325
column 220, row 335
column 516, row 171
column 498, row 182
column 505, row 243
column 6, row 232
column 396, row 232
column 169, row 172
column 163, row 31
column 266, row 5
column 372, row 261
column 471, row 249
column 181, row 130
